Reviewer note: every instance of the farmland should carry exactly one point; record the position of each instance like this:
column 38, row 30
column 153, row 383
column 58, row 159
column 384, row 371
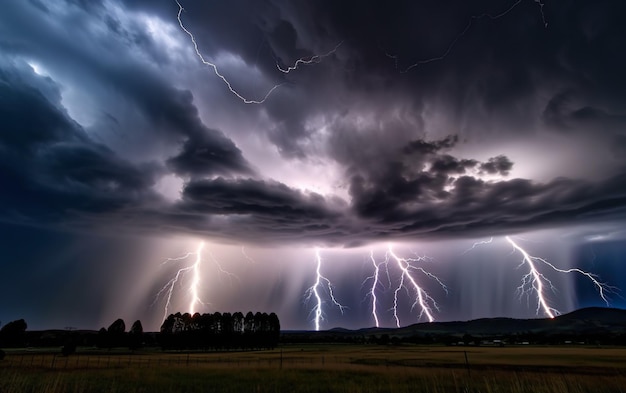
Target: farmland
column 321, row 368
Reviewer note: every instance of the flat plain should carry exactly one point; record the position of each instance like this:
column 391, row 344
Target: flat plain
column 321, row 368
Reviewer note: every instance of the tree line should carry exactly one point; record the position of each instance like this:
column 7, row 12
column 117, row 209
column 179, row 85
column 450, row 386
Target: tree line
column 216, row 331
column 219, row 331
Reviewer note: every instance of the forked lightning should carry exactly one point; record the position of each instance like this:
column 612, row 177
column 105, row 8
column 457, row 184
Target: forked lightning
column 536, row 282
column 321, row 283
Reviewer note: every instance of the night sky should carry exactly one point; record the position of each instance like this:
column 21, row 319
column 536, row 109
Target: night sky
column 417, row 127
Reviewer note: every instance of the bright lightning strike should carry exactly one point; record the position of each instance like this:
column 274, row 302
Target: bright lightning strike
column 195, row 281
column 194, row 284
column 375, row 284
column 535, row 281
column 422, row 299
column 314, row 291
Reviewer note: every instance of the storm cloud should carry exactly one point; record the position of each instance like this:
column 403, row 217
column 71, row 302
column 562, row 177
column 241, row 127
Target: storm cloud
column 115, row 118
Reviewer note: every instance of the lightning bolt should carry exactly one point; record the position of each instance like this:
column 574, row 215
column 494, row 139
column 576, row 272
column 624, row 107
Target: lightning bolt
column 477, row 244
column 195, row 281
column 214, row 67
column 194, row 284
column 313, row 59
column 245, row 255
column 375, row 283
column 314, row 291
column 535, row 281
column 473, row 19
column 422, row 298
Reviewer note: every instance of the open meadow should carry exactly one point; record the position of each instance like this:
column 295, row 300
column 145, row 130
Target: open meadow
column 321, row 368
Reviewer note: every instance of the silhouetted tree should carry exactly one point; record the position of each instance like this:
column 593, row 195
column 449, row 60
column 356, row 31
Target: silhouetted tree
column 117, row 333
column 249, row 322
column 135, row 335
column 238, row 322
column 102, row 340
column 13, row 334
column 274, row 330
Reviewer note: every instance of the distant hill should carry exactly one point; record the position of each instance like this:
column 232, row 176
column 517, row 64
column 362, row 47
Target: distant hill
column 577, row 321
column 590, row 323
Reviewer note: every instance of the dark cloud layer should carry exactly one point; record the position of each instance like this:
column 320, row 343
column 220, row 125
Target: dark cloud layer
column 491, row 74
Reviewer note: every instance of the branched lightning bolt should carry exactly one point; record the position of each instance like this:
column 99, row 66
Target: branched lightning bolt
column 195, row 281
column 375, row 283
column 473, row 19
column 314, row 291
column 194, row 284
column 214, row 67
column 313, row 59
column 422, row 298
column 535, row 281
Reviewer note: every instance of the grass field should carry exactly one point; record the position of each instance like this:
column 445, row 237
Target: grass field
column 322, row 368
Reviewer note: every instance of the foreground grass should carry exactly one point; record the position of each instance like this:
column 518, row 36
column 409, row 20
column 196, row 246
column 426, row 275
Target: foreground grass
column 323, row 369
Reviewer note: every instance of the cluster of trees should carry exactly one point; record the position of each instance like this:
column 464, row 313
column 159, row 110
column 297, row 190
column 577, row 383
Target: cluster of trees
column 219, row 331
column 116, row 336
column 13, row 334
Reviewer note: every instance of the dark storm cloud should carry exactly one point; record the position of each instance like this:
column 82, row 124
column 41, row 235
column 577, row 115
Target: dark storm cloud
column 51, row 169
column 504, row 78
column 208, row 156
column 448, row 164
column 410, row 198
column 170, row 111
column 267, row 208
column 568, row 112
column 495, row 72
column 497, row 165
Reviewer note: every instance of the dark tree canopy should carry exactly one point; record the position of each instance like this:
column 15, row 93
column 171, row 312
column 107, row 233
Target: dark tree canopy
column 117, row 327
column 116, row 334
column 18, row 326
column 136, row 328
column 135, row 335
column 13, row 334
column 220, row 331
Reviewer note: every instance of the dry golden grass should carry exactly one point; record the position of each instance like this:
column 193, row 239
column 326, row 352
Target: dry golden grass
column 322, row 368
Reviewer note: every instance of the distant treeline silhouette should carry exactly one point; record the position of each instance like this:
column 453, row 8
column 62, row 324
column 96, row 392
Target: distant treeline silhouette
column 208, row 332
column 220, row 331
